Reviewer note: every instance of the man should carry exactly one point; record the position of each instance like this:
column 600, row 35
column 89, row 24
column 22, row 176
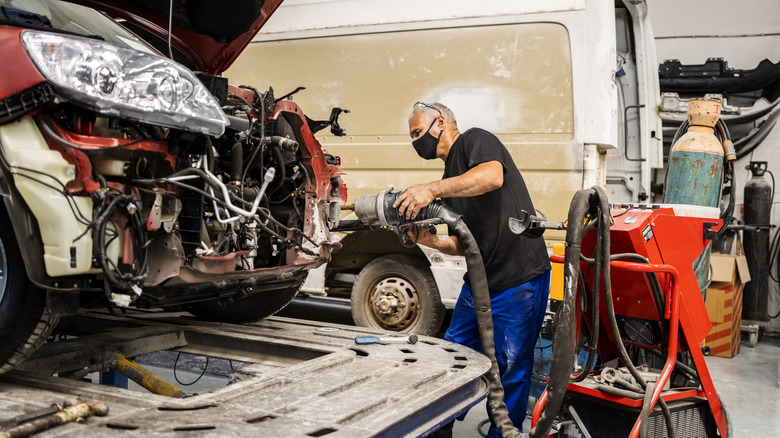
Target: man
column 482, row 183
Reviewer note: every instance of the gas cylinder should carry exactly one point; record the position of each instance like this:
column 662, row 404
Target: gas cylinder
column 695, row 170
column 696, row 159
column 758, row 207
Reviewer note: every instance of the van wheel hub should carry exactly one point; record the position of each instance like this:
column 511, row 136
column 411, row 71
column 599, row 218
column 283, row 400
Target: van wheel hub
column 395, row 301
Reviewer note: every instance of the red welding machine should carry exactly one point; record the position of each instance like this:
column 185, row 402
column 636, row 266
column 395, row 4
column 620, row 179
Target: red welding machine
column 657, row 310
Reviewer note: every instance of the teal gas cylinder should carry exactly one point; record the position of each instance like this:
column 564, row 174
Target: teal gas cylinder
column 695, row 171
column 696, row 159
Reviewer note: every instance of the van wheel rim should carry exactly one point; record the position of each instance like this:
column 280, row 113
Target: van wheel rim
column 394, row 303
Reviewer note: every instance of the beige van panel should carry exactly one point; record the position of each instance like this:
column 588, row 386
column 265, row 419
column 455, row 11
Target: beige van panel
column 514, row 80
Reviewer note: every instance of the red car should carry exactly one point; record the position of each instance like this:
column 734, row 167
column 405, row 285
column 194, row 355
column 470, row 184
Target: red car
column 128, row 179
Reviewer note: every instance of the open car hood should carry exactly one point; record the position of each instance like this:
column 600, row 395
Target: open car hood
column 206, row 35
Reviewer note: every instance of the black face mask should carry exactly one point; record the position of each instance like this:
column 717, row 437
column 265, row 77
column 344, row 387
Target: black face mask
column 426, row 145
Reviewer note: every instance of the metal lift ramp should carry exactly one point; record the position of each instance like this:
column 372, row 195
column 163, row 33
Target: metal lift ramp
column 304, row 379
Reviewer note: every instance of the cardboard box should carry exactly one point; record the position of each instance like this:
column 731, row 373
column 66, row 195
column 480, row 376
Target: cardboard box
column 724, row 303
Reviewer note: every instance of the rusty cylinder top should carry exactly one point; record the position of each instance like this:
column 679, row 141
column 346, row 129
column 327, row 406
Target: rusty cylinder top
column 703, row 115
column 703, row 112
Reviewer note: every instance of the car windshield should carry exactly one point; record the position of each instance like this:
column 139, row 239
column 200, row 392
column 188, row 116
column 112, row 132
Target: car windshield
column 70, row 18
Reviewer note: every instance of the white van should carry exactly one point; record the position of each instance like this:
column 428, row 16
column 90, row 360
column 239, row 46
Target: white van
column 569, row 86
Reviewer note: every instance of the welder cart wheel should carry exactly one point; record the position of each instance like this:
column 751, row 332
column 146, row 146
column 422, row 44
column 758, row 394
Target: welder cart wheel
column 249, row 309
column 397, row 293
column 25, row 321
column 754, row 333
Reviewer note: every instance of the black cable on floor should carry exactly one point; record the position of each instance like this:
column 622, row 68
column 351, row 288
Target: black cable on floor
column 194, row 381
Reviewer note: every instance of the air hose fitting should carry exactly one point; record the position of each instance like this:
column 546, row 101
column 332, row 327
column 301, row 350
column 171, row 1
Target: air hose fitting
column 377, row 210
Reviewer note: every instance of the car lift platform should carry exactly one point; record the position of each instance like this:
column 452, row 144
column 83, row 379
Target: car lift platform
column 303, row 379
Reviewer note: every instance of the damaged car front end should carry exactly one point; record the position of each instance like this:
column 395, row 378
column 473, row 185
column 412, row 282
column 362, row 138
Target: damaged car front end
column 128, row 179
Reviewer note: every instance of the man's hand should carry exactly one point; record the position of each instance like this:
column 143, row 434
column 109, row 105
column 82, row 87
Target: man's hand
column 422, row 236
column 413, row 199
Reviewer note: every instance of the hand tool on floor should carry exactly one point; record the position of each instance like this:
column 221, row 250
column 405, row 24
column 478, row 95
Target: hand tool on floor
column 408, row 339
column 66, row 415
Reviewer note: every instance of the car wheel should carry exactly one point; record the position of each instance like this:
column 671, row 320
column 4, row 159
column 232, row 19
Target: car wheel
column 250, row 309
column 397, row 293
column 25, row 321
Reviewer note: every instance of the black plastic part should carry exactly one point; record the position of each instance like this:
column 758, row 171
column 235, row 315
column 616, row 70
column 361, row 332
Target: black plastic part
column 217, row 86
column 350, row 225
column 238, row 124
column 26, row 18
column 716, row 76
column 191, row 218
column 296, row 90
column 333, row 122
column 61, row 303
column 708, row 233
column 14, row 107
column 236, row 161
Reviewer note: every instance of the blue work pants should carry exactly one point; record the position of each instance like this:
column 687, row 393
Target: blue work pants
column 518, row 313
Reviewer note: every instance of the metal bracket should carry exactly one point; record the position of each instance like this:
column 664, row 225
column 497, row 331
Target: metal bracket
column 708, row 232
column 533, row 226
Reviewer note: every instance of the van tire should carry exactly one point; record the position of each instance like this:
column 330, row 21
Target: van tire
column 397, row 293
column 25, row 320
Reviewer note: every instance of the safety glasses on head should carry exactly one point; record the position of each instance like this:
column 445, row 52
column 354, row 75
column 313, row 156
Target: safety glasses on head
column 427, row 106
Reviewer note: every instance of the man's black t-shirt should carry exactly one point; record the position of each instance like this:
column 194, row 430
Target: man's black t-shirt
column 510, row 259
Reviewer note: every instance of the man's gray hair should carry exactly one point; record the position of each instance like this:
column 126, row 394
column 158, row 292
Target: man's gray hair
column 429, row 113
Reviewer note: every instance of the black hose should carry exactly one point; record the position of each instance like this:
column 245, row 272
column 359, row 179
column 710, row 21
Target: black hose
column 594, row 335
column 281, row 171
column 236, row 161
column 681, row 366
column 564, row 339
column 378, row 210
column 620, row 392
column 655, row 287
column 480, row 292
column 603, row 229
column 563, row 343
column 754, row 138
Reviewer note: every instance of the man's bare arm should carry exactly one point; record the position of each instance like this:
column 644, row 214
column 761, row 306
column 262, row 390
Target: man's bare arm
column 448, row 245
column 482, row 178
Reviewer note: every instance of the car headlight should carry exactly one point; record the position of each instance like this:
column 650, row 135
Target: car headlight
column 124, row 82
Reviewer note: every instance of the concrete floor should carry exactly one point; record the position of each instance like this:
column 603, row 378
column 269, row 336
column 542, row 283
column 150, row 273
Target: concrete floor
column 748, row 384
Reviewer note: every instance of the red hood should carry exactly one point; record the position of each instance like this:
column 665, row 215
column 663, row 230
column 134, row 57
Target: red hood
column 211, row 34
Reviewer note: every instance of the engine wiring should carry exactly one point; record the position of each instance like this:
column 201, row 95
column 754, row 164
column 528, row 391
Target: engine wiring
column 102, row 217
